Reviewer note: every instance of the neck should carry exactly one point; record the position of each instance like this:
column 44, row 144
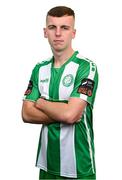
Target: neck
column 61, row 57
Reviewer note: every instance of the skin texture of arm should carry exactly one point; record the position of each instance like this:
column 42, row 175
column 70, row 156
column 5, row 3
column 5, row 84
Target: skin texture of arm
column 30, row 114
column 62, row 112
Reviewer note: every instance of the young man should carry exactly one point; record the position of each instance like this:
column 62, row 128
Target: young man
column 60, row 95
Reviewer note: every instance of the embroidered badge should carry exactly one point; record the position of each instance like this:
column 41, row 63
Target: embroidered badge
column 68, row 80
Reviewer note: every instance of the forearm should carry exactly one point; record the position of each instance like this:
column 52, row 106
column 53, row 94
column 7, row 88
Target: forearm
column 55, row 110
column 30, row 114
column 61, row 112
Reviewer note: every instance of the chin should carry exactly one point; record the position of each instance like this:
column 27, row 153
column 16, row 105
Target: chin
column 58, row 48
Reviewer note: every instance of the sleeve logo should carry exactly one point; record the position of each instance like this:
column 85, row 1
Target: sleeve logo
column 29, row 88
column 86, row 87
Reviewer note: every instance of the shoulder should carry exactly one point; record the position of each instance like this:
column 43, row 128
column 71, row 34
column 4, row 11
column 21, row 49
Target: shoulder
column 85, row 61
column 85, row 64
column 42, row 63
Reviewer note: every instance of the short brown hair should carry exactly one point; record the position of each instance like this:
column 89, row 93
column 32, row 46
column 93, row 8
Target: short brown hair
column 60, row 11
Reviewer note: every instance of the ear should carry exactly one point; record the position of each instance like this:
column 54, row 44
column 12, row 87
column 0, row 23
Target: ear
column 45, row 32
column 73, row 33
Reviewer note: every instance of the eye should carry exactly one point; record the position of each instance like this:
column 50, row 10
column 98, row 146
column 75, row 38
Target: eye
column 51, row 27
column 65, row 27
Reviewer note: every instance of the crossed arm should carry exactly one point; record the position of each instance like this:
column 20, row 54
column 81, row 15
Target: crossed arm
column 46, row 112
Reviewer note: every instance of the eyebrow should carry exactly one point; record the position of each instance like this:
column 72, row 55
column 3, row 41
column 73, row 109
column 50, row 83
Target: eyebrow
column 62, row 26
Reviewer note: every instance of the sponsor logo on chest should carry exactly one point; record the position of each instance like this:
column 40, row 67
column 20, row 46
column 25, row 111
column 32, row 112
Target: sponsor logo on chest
column 44, row 80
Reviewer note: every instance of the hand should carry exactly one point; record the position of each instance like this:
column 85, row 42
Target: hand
column 39, row 103
column 79, row 119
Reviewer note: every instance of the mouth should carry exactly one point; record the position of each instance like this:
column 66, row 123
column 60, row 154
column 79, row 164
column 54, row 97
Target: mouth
column 58, row 41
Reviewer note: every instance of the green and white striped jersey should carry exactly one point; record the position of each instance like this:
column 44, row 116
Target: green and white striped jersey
column 66, row 150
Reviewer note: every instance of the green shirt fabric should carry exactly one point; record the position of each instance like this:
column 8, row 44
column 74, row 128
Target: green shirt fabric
column 66, row 150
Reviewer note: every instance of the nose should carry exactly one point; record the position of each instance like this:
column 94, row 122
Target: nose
column 58, row 31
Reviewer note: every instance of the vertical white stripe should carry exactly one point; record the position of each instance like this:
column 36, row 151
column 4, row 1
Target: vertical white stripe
column 89, row 141
column 67, row 151
column 92, row 73
column 42, row 158
column 64, row 91
column 67, row 146
column 44, row 80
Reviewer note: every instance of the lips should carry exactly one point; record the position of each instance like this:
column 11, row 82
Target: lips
column 58, row 40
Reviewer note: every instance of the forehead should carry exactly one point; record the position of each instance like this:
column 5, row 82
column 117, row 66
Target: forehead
column 64, row 20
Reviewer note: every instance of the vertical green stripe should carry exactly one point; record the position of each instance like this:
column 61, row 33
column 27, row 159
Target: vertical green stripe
column 53, row 148
column 56, row 74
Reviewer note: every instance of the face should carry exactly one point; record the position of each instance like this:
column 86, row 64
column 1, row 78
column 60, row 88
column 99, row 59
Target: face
column 60, row 32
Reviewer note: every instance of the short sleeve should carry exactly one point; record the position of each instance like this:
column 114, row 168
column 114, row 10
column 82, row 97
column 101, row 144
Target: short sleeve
column 32, row 93
column 86, row 82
